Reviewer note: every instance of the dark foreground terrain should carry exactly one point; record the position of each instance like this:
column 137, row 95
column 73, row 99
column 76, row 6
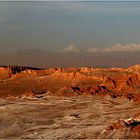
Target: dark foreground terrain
column 78, row 103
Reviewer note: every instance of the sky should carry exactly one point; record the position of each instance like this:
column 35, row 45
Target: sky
column 54, row 26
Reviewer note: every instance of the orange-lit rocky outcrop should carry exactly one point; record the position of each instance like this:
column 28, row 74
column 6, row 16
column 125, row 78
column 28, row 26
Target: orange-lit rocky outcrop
column 4, row 73
column 129, row 128
column 116, row 82
column 29, row 94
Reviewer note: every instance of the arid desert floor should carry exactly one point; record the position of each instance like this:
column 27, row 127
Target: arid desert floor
column 64, row 117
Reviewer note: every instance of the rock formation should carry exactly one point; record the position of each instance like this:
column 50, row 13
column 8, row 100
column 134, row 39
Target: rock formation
column 128, row 128
column 29, row 94
column 116, row 82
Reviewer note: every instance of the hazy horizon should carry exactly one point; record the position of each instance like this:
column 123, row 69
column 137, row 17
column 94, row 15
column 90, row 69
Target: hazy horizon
column 99, row 34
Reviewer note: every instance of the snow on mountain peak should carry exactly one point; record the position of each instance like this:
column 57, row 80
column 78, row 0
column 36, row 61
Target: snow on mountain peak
column 71, row 48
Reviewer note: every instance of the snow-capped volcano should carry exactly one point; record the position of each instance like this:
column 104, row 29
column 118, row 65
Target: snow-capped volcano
column 71, row 48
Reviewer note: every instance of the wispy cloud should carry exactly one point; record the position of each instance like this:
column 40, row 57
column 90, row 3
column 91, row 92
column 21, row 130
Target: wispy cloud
column 117, row 48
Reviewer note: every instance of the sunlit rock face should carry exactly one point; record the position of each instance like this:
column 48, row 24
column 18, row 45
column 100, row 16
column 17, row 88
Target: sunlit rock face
column 4, row 73
column 9, row 71
column 87, row 80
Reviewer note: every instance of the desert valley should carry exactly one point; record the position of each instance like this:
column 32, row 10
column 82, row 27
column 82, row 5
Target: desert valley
column 69, row 69
column 77, row 103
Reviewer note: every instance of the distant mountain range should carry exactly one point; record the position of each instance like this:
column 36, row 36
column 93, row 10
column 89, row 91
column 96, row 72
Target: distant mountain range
column 71, row 48
column 72, row 56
